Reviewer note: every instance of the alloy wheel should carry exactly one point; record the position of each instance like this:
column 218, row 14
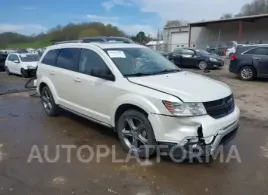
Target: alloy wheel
column 202, row 65
column 246, row 73
column 47, row 101
column 134, row 134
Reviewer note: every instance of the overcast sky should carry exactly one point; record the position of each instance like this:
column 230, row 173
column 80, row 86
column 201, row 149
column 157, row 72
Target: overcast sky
column 132, row 16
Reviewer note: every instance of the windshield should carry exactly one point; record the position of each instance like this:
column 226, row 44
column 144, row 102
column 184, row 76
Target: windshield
column 203, row 52
column 140, row 61
column 29, row 57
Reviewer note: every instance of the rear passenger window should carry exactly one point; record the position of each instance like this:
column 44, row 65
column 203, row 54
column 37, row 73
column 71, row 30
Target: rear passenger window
column 51, row 57
column 90, row 59
column 68, row 58
column 261, row 51
column 258, row 51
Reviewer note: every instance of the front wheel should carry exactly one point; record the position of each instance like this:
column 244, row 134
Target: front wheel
column 247, row 73
column 202, row 65
column 7, row 70
column 136, row 134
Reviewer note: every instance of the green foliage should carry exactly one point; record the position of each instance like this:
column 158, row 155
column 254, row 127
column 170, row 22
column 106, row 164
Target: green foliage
column 59, row 33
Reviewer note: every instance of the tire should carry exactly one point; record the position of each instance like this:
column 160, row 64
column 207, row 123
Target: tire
column 134, row 125
column 48, row 102
column 202, row 65
column 247, row 73
column 7, row 70
column 24, row 73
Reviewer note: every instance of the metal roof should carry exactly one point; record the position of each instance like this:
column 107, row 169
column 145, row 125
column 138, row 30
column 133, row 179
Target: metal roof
column 244, row 18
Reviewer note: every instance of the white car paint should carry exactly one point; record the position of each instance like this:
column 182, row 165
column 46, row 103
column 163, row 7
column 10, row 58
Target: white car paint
column 15, row 64
column 99, row 99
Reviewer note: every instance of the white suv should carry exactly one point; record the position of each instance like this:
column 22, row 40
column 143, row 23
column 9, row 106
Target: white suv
column 140, row 94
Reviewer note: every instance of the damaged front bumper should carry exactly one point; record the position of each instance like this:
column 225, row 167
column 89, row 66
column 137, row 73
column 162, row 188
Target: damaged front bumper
column 200, row 136
column 203, row 146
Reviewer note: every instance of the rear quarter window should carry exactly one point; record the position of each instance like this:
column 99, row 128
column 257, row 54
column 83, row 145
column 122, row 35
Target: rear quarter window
column 50, row 57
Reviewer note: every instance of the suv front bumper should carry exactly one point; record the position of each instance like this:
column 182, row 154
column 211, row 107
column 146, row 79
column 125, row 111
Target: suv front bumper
column 181, row 134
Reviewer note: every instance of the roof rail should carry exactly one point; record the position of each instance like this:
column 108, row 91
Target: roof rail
column 70, row 41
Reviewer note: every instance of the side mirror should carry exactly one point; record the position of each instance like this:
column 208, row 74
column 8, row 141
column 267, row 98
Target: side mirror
column 104, row 74
column 16, row 61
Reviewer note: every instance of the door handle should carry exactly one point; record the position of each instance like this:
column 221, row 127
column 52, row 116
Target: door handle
column 256, row 58
column 77, row 80
column 52, row 73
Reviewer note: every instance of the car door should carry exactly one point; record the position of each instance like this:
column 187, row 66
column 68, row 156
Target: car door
column 93, row 95
column 62, row 76
column 176, row 56
column 16, row 64
column 260, row 61
column 9, row 63
column 188, row 57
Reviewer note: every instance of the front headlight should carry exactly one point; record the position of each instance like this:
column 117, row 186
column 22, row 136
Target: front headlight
column 30, row 67
column 213, row 59
column 185, row 109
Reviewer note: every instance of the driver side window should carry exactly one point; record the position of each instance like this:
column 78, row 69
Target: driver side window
column 188, row 52
column 89, row 60
column 15, row 58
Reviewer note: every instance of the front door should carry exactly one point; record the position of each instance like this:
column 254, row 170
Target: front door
column 260, row 61
column 188, row 57
column 93, row 95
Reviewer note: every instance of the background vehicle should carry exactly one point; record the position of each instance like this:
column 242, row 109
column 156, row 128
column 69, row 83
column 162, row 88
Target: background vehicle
column 21, row 64
column 250, row 62
column 3, row 57
column 196, row 58
column 137, row 92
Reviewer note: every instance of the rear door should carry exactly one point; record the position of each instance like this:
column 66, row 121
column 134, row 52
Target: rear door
column 64, row 76
column 16, row 64
column 260, row 60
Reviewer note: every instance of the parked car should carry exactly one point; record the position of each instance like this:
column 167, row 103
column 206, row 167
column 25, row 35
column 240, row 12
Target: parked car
column 3, row 57
column 24, row 64
column 147, row 102
column 250, row 62
column 196, row 58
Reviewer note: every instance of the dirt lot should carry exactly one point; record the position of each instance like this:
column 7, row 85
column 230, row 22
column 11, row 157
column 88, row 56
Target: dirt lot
column 24, row 124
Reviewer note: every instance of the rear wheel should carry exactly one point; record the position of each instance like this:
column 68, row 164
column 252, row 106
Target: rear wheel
column 7, row 70
column 24, row 73
column 48, row 102
column 136, row 134
column 247, row 73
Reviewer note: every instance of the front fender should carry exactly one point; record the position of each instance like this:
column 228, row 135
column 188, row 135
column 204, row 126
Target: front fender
column 47, row 81
column 135, row 100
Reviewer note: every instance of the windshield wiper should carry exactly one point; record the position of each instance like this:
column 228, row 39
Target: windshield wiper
column 167, row 71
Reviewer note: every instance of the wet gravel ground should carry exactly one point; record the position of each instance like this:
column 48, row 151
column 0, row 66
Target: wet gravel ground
column 23, row 124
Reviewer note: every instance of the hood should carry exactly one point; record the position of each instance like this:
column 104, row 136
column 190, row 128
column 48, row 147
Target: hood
column 187, row 86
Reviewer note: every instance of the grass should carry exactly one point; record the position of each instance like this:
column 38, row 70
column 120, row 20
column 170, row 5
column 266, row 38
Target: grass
column 37, row 44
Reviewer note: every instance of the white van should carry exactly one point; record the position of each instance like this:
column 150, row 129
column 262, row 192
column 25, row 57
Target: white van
column 140, row 94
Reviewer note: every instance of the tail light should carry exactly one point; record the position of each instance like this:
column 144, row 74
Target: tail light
column 233, row 57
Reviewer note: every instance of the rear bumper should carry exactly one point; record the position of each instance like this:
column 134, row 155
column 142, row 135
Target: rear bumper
column 233, row 68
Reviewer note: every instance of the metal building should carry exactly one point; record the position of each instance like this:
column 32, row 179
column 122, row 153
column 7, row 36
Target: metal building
column 244, row 30
column 175, row 36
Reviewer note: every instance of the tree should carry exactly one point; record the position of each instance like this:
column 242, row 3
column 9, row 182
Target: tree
column 171, row 23
column 254, row 8
column 140, row 37
column 227, row 16
column 89, row 32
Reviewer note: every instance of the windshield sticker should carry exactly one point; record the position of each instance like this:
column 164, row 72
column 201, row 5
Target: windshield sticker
column 116, row 54
column 23, row 55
